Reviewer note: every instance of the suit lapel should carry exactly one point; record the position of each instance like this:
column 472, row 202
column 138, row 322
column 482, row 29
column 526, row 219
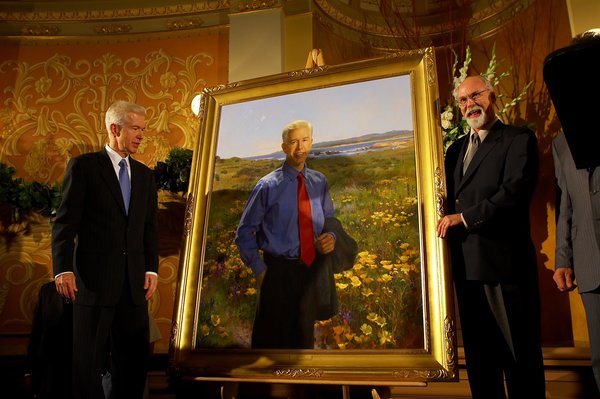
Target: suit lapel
column 484, row 149
column 461, row 156
column 108, row 174
column 135, row 185
column 138, row 191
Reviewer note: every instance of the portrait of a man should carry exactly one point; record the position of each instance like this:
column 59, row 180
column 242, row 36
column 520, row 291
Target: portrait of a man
column 290, row 218
column 359, row 173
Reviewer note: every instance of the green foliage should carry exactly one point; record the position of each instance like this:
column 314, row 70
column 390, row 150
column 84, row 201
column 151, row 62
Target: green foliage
column 174, row 173
column 25, row 197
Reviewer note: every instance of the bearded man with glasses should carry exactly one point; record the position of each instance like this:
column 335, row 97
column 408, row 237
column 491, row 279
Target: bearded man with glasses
column 490, row 179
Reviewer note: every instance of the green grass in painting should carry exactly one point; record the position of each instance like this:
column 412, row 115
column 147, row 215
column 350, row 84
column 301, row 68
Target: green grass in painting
column 375, row 197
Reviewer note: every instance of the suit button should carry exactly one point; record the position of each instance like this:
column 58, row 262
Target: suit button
column 457, row 201
column 124, row 252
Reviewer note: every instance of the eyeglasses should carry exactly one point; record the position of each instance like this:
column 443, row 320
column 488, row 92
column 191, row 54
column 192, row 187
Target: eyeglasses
column 462, row 101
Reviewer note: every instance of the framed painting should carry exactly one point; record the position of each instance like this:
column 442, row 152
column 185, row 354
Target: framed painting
column 377, row 140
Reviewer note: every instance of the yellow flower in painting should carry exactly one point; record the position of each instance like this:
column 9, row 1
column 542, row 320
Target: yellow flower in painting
column 204, row 330
column 349, row 336
column 384, row 337
column 244, row 274
column 338, row 276
column 404, row 258
column 355, row 281
column 338, row 330
column 386, row 264
column 324, row 322
column 386, row 278
column 410, row 200
column 372, row 316
column 381, row 321
column 250, row 291
column 359, row 339
column 358, row 267
column 405, row 267
column 368, row 280
column 222, row 332
column 366, row 329
column 215, row 320
column 341, row 286
column 367, row 292
column 405, row 245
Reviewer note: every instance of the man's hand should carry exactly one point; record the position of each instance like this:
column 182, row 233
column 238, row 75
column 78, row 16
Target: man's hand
column 150, row 283
column 325, row 243
column 446, row 222
column 66, row 286
column 564, row 277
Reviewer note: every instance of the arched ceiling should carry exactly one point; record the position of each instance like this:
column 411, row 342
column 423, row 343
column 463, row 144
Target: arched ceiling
column 378, row 23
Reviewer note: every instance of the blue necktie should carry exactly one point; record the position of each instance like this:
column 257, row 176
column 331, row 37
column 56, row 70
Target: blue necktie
column 124, row 183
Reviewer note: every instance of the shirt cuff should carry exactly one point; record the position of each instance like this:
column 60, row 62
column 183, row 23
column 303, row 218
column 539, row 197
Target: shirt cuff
column 153, row 273
column 60, row 274
column 464, row 221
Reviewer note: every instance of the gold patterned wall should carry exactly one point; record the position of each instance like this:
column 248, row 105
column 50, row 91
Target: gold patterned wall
column 53, row 95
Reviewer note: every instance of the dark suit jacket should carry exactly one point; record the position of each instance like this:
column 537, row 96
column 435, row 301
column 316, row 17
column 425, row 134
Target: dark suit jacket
column 493, row 196
column 342, row 258
column 94, row 237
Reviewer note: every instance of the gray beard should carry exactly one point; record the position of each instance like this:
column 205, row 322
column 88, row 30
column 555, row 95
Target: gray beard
column 479, row 122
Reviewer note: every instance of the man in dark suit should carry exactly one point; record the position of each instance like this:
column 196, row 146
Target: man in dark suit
column 491, row 174
column 105, row 257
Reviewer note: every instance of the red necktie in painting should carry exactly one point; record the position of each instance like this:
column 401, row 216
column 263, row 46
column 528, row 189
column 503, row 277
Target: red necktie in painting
column 307, row 243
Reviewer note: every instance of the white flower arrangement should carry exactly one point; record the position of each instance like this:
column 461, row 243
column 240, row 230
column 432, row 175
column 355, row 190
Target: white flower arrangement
column 453, row 124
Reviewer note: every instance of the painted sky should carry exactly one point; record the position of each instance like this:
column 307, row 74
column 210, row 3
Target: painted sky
column 254, row 127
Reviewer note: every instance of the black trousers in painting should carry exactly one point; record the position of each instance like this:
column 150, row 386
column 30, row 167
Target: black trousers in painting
column 286, row 309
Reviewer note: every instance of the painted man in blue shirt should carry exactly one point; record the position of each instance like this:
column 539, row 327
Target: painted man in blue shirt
column 286, row 311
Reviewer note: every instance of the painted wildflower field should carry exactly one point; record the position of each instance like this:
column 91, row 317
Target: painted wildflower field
column 380, row 298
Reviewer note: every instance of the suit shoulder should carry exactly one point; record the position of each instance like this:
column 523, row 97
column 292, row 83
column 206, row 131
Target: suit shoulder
column 515, row 131
column 85, row 159
column 137, row 164
column 457, row 145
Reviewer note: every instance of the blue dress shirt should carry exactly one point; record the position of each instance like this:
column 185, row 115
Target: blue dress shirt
column 270, row 219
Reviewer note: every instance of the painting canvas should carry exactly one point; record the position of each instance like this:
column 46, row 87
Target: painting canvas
column 377, row 142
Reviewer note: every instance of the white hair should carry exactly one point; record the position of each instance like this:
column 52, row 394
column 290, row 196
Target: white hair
column 118, row 113
column 290, row 127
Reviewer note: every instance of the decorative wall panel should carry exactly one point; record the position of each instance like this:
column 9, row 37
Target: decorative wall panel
column 53, row 99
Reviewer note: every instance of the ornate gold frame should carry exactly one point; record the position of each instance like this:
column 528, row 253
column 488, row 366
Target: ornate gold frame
column 437, row 361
